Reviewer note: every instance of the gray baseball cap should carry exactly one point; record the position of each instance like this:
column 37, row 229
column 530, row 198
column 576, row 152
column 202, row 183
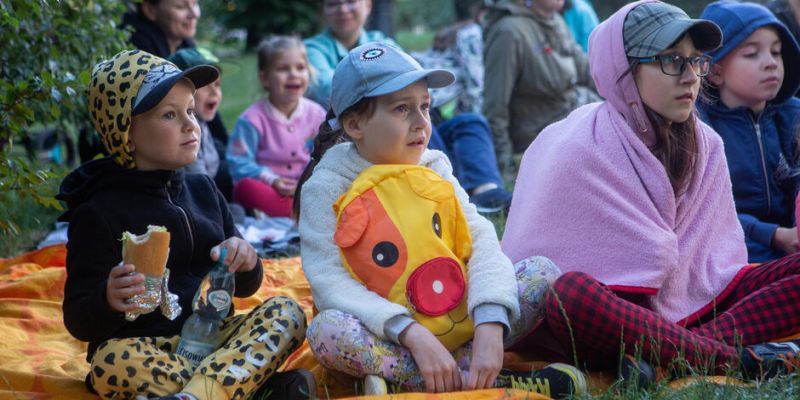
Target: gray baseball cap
column 651, row 28
column 374, row 69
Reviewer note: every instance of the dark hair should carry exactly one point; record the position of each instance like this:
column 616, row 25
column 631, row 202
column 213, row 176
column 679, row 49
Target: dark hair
column 676, row 143
column 467, row 9
column 675, row 147
column 327, row 138
column 139, row 5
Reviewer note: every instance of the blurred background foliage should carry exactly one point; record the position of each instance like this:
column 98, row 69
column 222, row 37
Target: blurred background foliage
column 47, row 50
column 259, row 18
column 49, row 46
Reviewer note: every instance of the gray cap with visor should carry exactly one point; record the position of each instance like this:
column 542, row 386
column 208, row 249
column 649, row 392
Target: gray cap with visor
column 374, row 69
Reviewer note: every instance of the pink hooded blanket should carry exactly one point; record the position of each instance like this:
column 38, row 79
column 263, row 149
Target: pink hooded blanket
column 592, row 197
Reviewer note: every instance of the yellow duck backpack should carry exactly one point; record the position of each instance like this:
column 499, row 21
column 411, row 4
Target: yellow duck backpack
column 401, row 232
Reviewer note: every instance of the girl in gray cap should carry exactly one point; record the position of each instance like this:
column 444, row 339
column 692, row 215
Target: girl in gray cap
column 379, row 116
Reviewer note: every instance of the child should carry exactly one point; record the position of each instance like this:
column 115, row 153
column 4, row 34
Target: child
column 632, row 198
column 752, row 109
column 207, row 100
column 269, row 146
column 143, row 108
column 379, row 109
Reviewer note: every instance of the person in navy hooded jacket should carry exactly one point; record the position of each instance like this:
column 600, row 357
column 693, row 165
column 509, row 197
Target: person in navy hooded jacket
column 750, row 105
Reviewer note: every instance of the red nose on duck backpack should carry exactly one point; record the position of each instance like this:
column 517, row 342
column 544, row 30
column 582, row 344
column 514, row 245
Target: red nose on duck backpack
column 401, row 232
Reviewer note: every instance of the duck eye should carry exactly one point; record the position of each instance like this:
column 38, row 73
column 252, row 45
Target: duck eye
column 385, row 254
column 437, row 224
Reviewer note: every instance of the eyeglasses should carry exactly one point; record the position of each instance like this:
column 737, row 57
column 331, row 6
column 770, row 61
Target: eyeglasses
column 333, row 5
column 674, row 65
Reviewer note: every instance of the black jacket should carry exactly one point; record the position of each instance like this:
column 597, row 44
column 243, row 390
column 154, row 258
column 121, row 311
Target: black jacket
column 148, row 36
column 104, row 200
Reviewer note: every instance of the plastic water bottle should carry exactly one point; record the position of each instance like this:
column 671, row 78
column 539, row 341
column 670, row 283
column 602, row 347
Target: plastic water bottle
column 215, row 293
column 201, row 335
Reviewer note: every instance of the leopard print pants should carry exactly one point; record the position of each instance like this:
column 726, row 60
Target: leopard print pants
column 256, row 344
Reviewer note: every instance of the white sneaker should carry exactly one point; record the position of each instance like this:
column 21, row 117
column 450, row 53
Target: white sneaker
column 374, row 385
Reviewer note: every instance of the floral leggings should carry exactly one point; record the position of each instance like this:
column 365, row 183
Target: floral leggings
column 341, row 342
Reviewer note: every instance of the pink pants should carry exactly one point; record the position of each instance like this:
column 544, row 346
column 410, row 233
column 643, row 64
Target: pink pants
column 253, row 193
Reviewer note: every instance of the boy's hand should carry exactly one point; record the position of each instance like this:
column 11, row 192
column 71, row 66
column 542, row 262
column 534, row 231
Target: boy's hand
column 487, row 356
column 121, row 285
column 785, row 239
column 241, row 255
column 285, row 186
column 438, row 368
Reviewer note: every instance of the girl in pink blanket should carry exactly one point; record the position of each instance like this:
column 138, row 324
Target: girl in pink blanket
column 269, row 146
column 632, row 200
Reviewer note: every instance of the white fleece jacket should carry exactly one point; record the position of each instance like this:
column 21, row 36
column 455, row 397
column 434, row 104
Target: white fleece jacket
column 490, row 273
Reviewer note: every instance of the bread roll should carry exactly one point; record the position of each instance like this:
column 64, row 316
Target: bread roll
column 148, row 252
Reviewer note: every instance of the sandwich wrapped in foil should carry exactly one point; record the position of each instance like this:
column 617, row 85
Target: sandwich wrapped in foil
column 156, row 294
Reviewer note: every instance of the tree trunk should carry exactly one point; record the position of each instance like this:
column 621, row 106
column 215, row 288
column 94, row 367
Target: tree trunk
column 382, row 17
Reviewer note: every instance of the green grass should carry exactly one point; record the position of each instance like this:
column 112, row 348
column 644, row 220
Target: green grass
column 411, row 41
column 787, row 387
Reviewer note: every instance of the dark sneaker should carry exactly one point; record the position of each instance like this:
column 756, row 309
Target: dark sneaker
column 492, row 200
column 635, row 374
column 555, row 380
column 768, row 360
column 296, row 384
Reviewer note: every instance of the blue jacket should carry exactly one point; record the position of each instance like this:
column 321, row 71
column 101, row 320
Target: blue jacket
column 760, row 148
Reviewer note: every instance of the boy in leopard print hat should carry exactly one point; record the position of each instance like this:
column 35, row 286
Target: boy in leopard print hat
column 143, row 108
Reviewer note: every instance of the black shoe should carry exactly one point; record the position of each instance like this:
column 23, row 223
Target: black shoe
column 295, row 384
column 768, row 360
column 555, row 380
column 635, row 374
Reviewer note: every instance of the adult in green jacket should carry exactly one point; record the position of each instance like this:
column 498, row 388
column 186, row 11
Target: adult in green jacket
column 535, row 73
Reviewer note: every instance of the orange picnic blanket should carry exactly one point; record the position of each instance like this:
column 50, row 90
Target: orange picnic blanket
column 40, row 360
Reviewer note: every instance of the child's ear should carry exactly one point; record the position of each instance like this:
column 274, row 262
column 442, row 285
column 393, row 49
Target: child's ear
column 262, row 77
column 131, row 145
column 352, row 126
column 715, row 75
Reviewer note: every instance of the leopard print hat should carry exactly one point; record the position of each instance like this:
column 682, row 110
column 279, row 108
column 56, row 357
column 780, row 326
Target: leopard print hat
column 130, row 83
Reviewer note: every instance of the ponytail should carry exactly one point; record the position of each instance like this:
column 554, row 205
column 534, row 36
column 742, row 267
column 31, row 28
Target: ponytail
column 327, row 138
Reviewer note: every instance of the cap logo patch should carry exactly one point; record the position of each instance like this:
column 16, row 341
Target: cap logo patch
column 160, row 72
column 153, row 78
column 372, row 54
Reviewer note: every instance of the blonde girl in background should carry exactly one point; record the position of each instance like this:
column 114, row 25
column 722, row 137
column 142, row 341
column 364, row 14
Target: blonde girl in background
column 269, row 145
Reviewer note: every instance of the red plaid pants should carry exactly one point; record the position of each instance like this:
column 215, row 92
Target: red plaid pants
column 598, row 325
